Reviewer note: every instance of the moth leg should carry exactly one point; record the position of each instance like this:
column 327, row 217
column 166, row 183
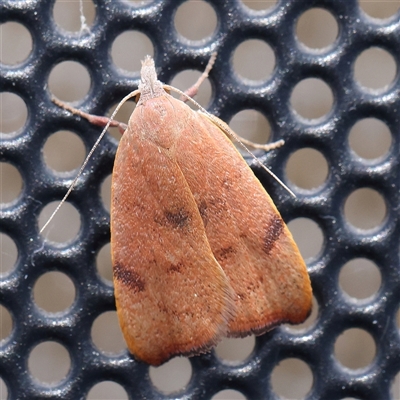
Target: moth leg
column 97, row 120
column 224, row 127
column 192, row 91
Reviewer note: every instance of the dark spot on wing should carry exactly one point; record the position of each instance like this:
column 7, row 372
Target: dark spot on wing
column 128, row 278
column 178, row 219
column 272, row 233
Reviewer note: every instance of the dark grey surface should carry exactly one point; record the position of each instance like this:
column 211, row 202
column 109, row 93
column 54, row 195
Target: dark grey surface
column 356, row 33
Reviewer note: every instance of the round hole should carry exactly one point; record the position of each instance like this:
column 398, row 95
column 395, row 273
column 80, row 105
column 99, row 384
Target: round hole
column 185, row 79
column 171, row 376
column 74, row 16
column 291, row 379
column 395, row 387
column 13, row 113
column 129, row 49
column 360, row 278
column 195, row 20
column 312, row 99
column 63, row 87
column 317, row 28
column 308, row 323
column 307, row 235
column 103, row 263
column 381, row 9
column 355, row 348
column 106, row 333
column 64, row 151
column 49, row 363
column 228, row 395
column 107, row 390
column 8, row 254
column 251, row 125
column 15, row 43
column 370, row 138
column 54, row 292
column 64, row 226
column 235, row 350
column 10, row 183
column 3, row 390
column 6, row 324
column 253, row 61
column 365, row 209
column 106, row 192
column 375, row 69
column 307, row 168
column 259, row 5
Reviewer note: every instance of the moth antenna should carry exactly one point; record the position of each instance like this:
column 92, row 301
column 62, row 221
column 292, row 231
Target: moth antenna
column 225, row 128
column 103, row 132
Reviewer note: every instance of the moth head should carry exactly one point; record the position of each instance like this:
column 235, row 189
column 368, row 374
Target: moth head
column 149, row 86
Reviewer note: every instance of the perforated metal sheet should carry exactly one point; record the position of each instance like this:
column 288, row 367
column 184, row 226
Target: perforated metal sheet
column 347, row 172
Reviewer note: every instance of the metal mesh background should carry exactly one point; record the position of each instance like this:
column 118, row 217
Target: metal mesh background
column 325, row 205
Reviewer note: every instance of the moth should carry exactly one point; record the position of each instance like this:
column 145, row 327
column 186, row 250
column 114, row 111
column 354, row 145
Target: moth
column 199, row 250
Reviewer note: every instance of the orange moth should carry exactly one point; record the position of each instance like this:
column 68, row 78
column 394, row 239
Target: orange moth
column 199, row 250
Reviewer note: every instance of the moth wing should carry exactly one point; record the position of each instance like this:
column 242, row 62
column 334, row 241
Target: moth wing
column 172, row 295
column 245, row 231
